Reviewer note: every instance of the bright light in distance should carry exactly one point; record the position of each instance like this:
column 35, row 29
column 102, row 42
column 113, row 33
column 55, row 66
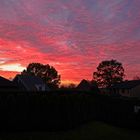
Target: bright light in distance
column 12, row 67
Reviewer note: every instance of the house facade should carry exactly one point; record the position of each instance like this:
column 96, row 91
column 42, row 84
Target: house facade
column 127, row 88
column 30, row 83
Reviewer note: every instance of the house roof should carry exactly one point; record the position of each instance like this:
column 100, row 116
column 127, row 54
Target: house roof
column 84, row 84
column 6, row 83
column 126, row 84
column 30, row 81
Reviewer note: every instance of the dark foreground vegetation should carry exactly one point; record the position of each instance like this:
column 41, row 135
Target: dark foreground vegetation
column 89, row 131
column 56, row 111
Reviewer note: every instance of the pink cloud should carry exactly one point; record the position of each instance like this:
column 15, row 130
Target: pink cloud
column 73, row 36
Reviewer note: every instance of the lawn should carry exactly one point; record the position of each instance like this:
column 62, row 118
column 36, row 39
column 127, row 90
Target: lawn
column 89, row 131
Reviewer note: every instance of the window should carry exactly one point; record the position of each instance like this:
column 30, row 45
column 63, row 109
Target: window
column 40, row 87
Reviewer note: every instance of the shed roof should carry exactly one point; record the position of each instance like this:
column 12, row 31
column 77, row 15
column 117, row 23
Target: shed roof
column 84, row 84
column 126, row 84
column 6, row 83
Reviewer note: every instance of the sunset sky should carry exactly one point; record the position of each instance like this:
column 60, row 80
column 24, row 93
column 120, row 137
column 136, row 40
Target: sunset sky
column 74, row 36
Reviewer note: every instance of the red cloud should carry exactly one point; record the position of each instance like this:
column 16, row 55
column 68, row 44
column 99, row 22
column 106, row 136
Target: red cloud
column 74, row 38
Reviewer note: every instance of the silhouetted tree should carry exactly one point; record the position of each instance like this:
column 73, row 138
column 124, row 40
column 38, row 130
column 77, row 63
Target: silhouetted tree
column 108, row 72
column 46, row 72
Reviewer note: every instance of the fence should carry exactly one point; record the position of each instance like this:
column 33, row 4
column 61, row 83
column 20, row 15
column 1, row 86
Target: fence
column 52, row 111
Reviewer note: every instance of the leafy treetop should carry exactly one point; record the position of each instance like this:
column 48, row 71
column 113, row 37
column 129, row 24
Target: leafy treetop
column 108, row 72
column 46, row 72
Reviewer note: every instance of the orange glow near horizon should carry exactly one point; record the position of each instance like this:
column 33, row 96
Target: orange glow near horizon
column 11, row 74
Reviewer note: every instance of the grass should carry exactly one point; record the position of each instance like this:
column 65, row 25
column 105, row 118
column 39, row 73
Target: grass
column 89, row 131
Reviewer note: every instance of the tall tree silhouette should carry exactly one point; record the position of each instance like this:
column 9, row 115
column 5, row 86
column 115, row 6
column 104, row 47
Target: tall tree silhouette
column 46, row 72
column 108, row 72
